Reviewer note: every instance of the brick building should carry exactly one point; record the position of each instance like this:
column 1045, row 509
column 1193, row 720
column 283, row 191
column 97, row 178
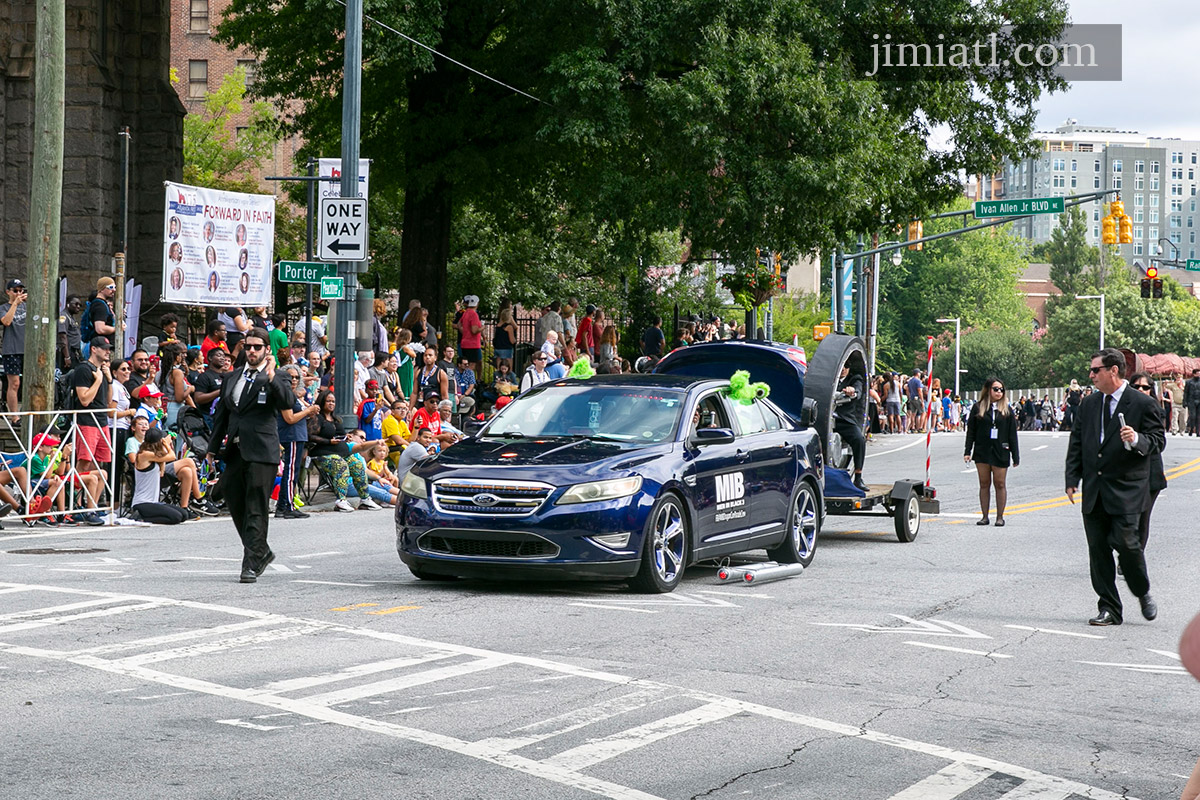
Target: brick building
column 116, row 76
column 201, row 64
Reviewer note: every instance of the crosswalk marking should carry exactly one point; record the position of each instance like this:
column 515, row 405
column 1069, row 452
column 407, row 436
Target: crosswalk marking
column 594, row 752
column 41, row 612
column 405, row 681
column 945, row 784
column 106, row 612
column 1032, row 791
column 577, row 718
column 357, row 671
column 171, row 638
column 219, row 645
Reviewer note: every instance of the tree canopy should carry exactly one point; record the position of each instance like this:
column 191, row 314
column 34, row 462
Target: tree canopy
column 732, row 124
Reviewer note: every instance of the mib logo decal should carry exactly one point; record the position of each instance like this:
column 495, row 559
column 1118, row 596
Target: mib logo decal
column 731, row 486
column 731, row 496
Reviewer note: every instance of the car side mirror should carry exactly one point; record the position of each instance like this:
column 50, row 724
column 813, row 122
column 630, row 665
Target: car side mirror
column 704, row 436
column 808, row 413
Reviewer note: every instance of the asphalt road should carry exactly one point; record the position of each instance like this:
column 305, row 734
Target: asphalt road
column 956, row 666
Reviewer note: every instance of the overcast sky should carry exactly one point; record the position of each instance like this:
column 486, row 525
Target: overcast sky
column 1159, row 92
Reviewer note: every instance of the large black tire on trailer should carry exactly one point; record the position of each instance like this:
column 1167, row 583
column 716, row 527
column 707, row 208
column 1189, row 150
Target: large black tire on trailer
column 835, row 351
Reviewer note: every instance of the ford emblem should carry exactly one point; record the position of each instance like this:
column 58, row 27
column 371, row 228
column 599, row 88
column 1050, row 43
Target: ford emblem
column 485, row 500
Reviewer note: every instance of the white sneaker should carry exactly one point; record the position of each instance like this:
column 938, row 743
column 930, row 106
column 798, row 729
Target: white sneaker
column 367, row 502
column 342, row 504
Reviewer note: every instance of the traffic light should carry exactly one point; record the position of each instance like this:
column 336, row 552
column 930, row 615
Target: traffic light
column 915, row 231
column 778, row 264
column 1116, row 209
column 1152, row 285
column 1126, row 231
column 1108, row 230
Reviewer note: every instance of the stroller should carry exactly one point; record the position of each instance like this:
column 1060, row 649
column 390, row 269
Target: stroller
column 192, row 427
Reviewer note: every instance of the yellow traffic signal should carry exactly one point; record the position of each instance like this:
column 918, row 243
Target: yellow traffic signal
column 821, row 331
column 1151, row 272
column 1117, row 209
column 915, row 231
column 1126, row 231
column 778, row 264
column 1108, row 230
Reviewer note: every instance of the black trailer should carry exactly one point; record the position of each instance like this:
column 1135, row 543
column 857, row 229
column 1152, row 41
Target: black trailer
column 905, row 500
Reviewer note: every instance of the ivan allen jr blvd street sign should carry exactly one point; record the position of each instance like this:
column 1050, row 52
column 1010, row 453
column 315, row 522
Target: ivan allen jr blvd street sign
column 305, row 271
column 1193, row 264
column 985, row 209
column 343, row 229
column 333, row 288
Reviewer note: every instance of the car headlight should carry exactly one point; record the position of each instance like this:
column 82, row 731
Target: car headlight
column 600, row 490
column 414, row 487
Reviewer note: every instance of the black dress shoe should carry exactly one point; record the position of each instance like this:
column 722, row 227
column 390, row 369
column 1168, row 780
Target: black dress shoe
column 1000, row 522
column 298, row 514
column 248, row 576
column 1149, row 607
column 1104, row 618
column 266, row 562
column 984, row 521
column 858, row 483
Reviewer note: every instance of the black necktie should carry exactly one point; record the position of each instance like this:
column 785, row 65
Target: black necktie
column 1107, row 415
column 246, row 387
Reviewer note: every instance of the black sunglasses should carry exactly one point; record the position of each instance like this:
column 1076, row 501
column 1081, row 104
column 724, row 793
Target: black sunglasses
column 254, row 346
column 1141, row 386
column 1094, row 370
column 997, row 388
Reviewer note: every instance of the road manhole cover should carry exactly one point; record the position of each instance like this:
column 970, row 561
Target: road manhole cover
column 57, row 551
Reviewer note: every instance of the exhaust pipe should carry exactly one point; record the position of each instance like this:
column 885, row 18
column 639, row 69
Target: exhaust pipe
column 775, row 572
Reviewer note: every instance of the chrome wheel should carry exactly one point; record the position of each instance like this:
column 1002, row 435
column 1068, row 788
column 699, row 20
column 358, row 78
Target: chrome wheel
column 664, row 549
column 804, row 524
column 668, row 541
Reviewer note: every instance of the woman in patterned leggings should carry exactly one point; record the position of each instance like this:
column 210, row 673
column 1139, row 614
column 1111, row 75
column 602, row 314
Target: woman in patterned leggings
column 331, row 453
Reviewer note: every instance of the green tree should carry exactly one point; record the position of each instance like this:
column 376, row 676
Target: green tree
column 972, row 277
column 1068, row 252
column 736, row 124
column 218, row 155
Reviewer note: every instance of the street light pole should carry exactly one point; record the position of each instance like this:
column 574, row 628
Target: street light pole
column 957, row 350
column 1099, row 297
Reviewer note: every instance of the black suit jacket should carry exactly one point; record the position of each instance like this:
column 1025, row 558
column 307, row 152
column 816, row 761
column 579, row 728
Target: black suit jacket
column 1003, row 451
column 253, row 421
column 1115, row 480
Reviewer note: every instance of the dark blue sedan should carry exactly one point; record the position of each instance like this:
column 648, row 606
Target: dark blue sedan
column 626, row 477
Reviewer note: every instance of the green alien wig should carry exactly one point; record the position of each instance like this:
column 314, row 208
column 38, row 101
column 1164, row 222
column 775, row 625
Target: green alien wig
column 743, row 391
column 582, row 369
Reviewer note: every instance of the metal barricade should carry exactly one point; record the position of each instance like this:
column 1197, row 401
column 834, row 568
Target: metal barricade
column 16, row 472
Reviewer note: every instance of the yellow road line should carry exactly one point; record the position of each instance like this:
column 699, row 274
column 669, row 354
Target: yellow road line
column 1063, row 500
column 393, row 610
column 356, row 605
column 1191, row 463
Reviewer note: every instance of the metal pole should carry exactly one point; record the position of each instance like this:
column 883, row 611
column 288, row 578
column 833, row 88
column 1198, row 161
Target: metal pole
column 769, row 320
column 957, row 351
column 308, row 256
column 122, row 244
column 1101, row 322
column 873, row 332
column 839, row 269
column 860, row 310
column 343, row 379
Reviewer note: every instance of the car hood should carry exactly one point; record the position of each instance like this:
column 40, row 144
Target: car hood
column 489, row 452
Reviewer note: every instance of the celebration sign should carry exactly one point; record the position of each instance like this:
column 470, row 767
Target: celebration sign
column 217, row 247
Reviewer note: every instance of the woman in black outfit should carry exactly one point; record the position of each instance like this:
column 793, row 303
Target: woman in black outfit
column 992, row 445
column 1158, row 479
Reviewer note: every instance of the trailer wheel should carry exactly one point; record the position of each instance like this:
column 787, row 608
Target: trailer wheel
column 907, row 516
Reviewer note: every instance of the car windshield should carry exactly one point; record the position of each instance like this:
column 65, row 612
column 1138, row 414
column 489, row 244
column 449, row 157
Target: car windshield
column 606, row 413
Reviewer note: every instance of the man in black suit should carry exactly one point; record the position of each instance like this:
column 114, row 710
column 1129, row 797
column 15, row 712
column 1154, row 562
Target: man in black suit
column 1114, row 465
column 246, row 435
column 849, row 409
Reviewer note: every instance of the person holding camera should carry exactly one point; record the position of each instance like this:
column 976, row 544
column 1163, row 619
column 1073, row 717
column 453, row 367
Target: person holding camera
column 12, row 317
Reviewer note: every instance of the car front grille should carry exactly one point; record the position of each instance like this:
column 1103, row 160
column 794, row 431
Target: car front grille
column 490, row 498
column 487, row 544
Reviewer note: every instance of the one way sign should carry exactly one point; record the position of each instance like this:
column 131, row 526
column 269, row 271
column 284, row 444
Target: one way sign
column 343, row 229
